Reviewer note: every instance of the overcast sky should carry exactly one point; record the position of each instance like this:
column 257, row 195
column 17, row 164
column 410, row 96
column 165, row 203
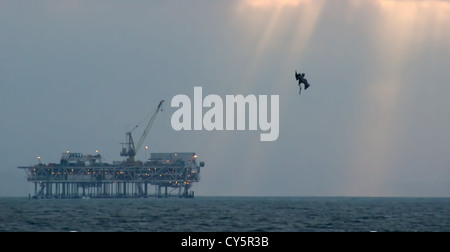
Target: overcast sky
column 76, row 75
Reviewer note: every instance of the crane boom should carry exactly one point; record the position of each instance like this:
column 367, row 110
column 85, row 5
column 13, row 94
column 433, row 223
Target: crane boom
column 149, row 125
column 131, row 149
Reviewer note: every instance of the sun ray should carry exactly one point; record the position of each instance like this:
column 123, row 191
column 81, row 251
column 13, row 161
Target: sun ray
column 401, row 27
column 284, row 26
column 274, row 3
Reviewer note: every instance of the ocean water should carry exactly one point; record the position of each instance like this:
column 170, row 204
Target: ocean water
column 227, row 214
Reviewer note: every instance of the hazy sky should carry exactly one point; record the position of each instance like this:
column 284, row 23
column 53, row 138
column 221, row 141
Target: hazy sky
column 75, row 75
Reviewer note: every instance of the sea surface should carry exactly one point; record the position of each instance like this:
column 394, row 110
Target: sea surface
column 226, row 214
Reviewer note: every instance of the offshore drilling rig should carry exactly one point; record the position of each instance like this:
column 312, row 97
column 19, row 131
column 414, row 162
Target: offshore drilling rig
column 86, row 176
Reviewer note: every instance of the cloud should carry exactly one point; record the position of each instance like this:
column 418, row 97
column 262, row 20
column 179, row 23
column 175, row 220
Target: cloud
column 75, row 74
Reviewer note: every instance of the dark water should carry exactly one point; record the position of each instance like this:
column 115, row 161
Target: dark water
column 234, row 214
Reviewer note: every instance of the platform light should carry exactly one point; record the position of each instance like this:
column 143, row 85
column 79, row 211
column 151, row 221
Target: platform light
column 195, row 156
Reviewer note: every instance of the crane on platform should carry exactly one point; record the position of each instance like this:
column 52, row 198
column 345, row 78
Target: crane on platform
column 129, row 149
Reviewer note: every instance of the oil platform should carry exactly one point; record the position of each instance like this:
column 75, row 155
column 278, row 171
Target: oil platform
column 86, row 176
